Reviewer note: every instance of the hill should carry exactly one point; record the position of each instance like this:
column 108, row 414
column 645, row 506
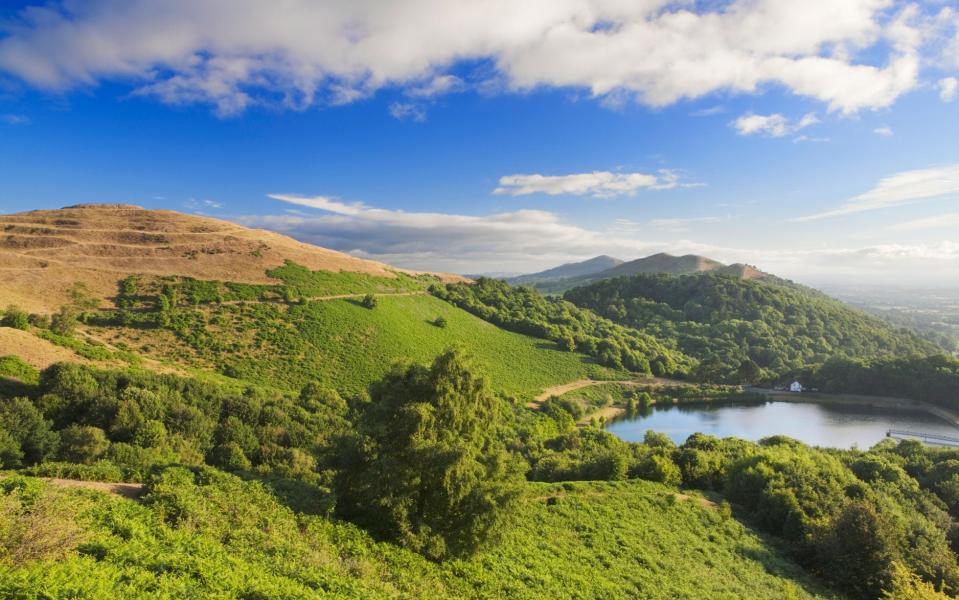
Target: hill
column 578, row 269
column 746, row 330
column 44, row 252
column 688, row 264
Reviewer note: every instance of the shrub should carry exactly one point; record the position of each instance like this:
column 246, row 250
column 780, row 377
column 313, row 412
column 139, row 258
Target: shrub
column 15, row 317
column 369, row 301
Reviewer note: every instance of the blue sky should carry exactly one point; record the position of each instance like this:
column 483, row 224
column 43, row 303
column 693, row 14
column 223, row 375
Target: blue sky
column 817, row 140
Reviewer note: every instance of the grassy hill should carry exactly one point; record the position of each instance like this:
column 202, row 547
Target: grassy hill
column 689, row 264
column 344, row 345
column 211, row 534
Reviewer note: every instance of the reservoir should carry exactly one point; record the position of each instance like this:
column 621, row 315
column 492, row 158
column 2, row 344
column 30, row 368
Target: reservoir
column 831, row 425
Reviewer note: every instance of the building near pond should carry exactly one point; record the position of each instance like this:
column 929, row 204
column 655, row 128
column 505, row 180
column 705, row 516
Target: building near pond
column 795, row 387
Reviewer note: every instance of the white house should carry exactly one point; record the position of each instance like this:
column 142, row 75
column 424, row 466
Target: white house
column 795, row 387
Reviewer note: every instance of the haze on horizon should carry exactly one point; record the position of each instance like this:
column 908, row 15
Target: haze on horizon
column 815, row 140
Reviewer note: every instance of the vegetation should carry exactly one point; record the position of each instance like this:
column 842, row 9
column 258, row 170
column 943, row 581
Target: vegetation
column 524, row 310
column 342, row 345
column 932, row 379
column 427, row 467
column 743, row 330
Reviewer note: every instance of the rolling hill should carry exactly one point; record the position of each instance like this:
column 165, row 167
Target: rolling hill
column 688, row 264
column 244, row 304
column 44, row 252
column 578, row 269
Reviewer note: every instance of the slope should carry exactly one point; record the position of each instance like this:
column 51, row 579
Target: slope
column 210, row 534
column 44, row 252
column 578, row 269
column 745, row 330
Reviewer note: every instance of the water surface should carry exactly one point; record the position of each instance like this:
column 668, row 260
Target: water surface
column 837, row 426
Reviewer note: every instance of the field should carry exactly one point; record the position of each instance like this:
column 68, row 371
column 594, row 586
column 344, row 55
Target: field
column 346, row 346
column 213, row 535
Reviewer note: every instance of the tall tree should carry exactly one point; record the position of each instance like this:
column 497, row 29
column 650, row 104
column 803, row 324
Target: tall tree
column 427, row 468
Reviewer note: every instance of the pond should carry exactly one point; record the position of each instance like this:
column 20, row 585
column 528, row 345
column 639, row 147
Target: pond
column 833, row 425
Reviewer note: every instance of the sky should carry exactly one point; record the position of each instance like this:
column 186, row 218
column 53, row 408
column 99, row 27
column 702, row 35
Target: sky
column 818, row 140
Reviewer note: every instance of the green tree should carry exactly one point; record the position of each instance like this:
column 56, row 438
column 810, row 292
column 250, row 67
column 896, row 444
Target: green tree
column 427, row 468
column 83, row 443
column 369, row 301
column 25, row 424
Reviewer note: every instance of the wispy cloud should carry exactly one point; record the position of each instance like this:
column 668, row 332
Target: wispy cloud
column 195, row 204
column 598, row 184
column 950, row 221
column 15, row 120
column 708, row 112
column 884, row 131
column 948, row 87
column 679, row 224
column 408, row 111
column 902, row 188
column 850, row 55
column 526, row 240
column 774, row 125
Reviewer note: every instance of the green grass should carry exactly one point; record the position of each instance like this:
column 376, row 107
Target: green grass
column 215, row 536
column 329, row 283
column 346, row 346
column 15, row 367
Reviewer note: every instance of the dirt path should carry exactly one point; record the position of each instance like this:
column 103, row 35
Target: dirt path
column 559, row 390
column 126, row 490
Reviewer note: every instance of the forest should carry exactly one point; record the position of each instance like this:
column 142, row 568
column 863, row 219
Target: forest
column 743, row 330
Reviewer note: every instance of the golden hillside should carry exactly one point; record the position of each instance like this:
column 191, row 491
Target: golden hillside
column 44, row 252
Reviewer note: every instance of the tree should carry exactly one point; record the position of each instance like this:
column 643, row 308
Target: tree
column 369, row 301
column 83, row 443
column 26, row 426
column 859, row 551
column 427, row 468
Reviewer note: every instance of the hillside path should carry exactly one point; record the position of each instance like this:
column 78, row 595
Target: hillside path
column 559, row 390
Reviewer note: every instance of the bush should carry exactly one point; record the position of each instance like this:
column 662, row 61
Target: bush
column 369, row 301
column 15, row 317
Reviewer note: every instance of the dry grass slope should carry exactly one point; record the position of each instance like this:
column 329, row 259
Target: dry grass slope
column 43, row 252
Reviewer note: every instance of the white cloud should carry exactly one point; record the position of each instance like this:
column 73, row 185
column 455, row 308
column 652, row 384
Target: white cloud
column 948, row 86
column 12, row 119
column 774, row 125
column 598, row 184
column 902, row 188
column 950, row 221
column 194, row 204
column 529, row 240
column 408, row 110
column 233, row 54
column 708, row 112
column 884, row 131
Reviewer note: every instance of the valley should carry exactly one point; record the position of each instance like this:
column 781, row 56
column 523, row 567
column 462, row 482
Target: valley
column 251, row 421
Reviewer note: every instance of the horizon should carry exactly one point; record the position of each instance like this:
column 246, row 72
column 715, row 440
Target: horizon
column 825, row 155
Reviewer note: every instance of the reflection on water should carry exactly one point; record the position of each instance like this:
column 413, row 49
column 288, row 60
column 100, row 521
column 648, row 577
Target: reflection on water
column 838, row 426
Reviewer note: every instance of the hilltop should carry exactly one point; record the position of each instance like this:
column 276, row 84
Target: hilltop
column 44, row 252
column 577, row 269
column 688, row 264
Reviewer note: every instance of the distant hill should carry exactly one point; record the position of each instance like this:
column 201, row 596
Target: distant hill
column 578, row 269
column 44, row 252
column 689, row 264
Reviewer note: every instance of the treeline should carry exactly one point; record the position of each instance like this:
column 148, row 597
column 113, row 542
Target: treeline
column 932, row 379
column 125, row 422
column 524, row 310
column 745, row 331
